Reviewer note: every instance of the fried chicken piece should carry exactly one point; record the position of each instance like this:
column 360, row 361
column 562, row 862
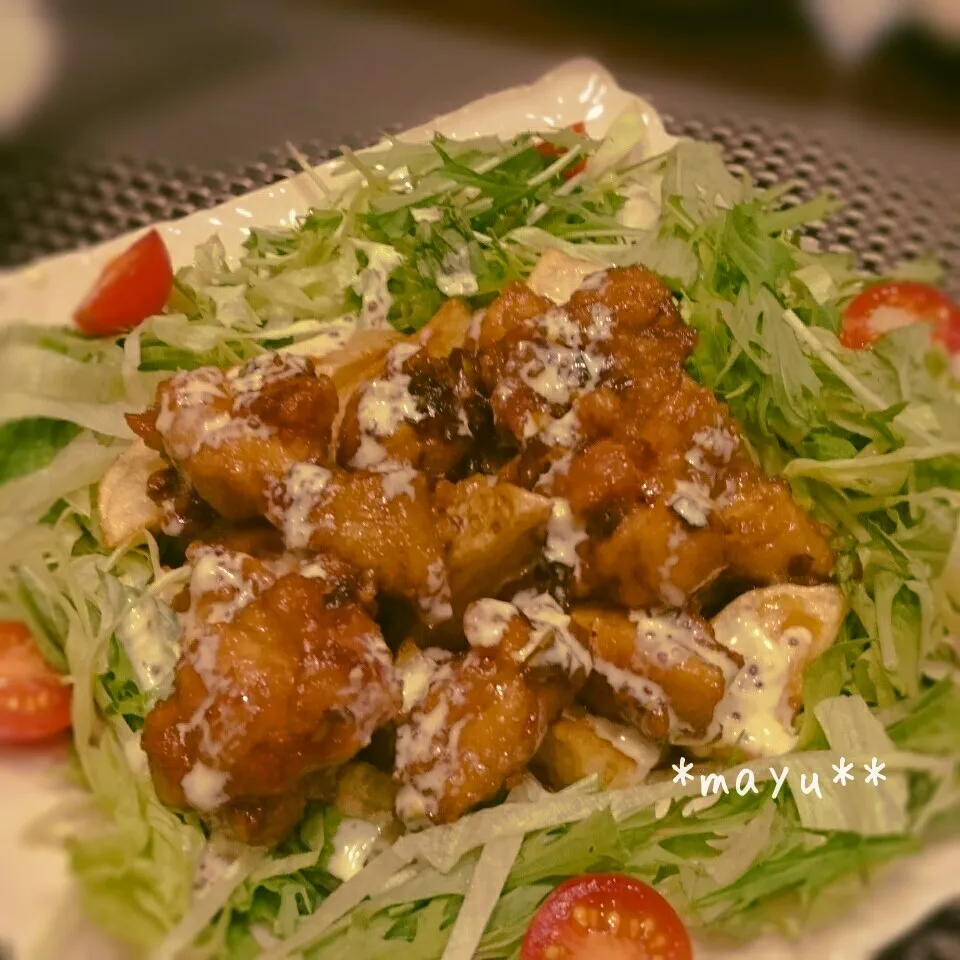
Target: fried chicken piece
column 662, row 674
column 516, row 303
column 536, row 359
column 283, row 674
column 382, row 522
column 233, row 432
column 652, row 558
column 424, row 411
column 769, row 537
column 653, row 502
column 472, row 722
column 257, row 538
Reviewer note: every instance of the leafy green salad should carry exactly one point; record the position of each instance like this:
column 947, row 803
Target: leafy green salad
column 868, row 438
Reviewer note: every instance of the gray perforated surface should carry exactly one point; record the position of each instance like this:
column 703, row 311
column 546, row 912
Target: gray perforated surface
column 887, row 217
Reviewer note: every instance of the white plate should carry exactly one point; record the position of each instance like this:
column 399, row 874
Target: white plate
column 36, row 899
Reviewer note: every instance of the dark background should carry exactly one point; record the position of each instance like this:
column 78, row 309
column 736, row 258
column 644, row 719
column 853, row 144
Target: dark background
column 206, row 83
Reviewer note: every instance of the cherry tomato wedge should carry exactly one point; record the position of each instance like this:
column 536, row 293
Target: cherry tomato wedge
column 887, row 306
column 606, row 916
column 551, row 150
column 34, row 702
column 133, row 286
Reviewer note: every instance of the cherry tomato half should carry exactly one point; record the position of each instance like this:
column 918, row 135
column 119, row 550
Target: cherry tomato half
column 133, row 286
column 551, row 150
column 606, row 916
column 888, row 306
column 34, row 702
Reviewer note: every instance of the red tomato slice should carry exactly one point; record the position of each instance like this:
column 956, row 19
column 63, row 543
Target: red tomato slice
column 551, row 150
column 34, row 702
column 888, row 306
column 133, row 286
column 606, row 916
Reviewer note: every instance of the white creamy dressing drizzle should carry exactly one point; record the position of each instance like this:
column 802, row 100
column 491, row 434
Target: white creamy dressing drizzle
column 437, row 602
column 353, row 844
column 755, row 714
column 149, row 634
column 557, row 372
column 595, row 281
column 692, row 502
column 563, row 432
column 552, row 644
column 427, row 741
column 671, row 638
column 713, row 448
column 644, row 753
column 398, row 482
column 336, row 333
column 303, row 487
column 314, row 570
column 559, row 467
column 248, row 380
column 668, row 589
column 476, row 326
column 568, row 363
column 455, row 277
column 384, row 404
column 417, row 672
column 648, row 694
column 486, row 621
column 203, row 787
column 601, row 322
column 210, row 407
column 564, row 534
column 371, row 284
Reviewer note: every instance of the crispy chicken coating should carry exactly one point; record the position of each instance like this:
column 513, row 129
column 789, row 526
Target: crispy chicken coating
column 425, row 411
column 231, row 433
column 770, row 538
column 471, row 722
column 283, row 674
column 662, row 674
column 382, row 522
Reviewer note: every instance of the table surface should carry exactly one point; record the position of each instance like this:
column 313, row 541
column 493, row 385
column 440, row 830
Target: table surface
column 206, row 83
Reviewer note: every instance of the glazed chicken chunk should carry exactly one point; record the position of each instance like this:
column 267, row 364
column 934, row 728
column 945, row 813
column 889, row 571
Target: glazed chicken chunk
column 423, row 411
column 231, row 433
column 379, row 521
column 653, row 498
column 662, row 674
column 283, row 674
column 471, row 722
